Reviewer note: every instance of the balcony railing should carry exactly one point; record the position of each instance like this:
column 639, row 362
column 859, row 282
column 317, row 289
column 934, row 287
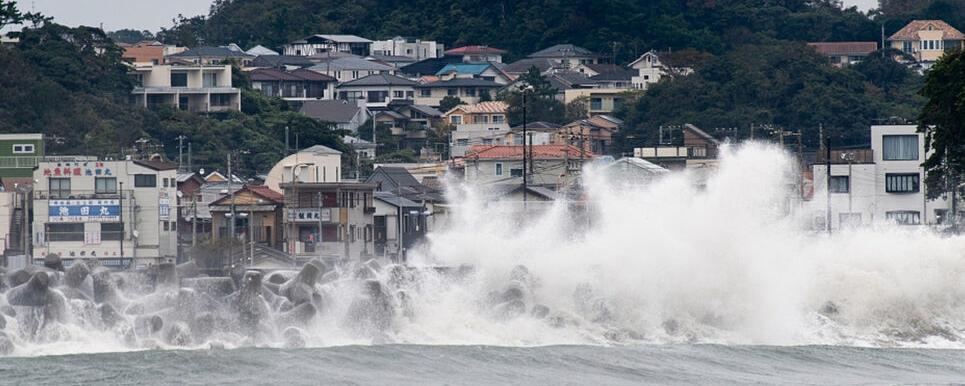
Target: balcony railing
column 845, row 156
column 79, row 195
column 14, row 162
column 689, row 152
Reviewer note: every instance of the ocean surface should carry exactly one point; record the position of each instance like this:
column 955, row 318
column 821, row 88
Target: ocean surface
column 490, row 365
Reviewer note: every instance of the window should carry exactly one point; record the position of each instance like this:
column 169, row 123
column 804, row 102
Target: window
column 516, row 172
column 65, row 232
column 471, row 92
column 59, row 187
column 906, row 47
column 209, row 80
column 145, row 180
column 398, row 94
column 487, row 141
column 105, row 185
column 355, row 74
column 25, row 148
column 166, row 226
column 220, row 100
column 452, row 91
column 518, row 140
column 499, row 169
column 112, row 231
column 499, row 119
column 425, row 92
column 835, row 59
column 455, row 119
column 900, row 147
column 596, row 104
column 462, row 142
column 904, row 217
column 901, row 183
column 480, row 119
column 840, row 184
column 409, row 94
column 179, row 79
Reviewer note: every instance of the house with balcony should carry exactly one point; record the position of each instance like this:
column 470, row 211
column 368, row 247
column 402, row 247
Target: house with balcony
column 121, row 214
column 650, row 69
column 195, row 88
column 409, row 120
column 599, row 100
column 408, row 47
column 477, row 54
column 468, row 90
column 399, row 224
column 294, row 85
column 332, row 221
column 842, row 54
column 883, row 184
column 693, row 148
column 378, row 90
column 256, row 211
column 321, row 44
column 483, row 123
column 926, row 40
column 594, row 134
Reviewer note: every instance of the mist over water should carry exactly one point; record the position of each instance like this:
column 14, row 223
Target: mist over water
column 690, row 258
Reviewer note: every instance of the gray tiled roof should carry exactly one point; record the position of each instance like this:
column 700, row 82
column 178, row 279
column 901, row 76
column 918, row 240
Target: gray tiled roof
column 561, row 51
column 335, row 111
column 379, row 80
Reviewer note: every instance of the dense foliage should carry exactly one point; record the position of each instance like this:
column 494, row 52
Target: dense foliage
column 943, row 121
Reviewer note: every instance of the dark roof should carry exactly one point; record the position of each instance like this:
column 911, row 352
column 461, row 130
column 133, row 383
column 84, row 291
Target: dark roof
column 539, row 126
column 428, row 66
column 281, row 61
column 567, row 79
column 156, row 165
column 622, row 74
column 396, row 201
column 274, row 74
column 601, row 68
column 379, row 80
column 562, row 51
column 208, row 51
column 398, row 175
column 427, row 110
column 523, row 65
column 462, row 82
column 311, row 75
column 474, row 50
column 335, row 111
column 844, row 48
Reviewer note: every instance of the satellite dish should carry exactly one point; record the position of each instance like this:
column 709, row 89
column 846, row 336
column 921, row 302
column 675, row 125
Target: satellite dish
column 201, row 172
column 179, row 194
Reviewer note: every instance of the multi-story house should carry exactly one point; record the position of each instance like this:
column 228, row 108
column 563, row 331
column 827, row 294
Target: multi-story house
column 844, row 53
column 313, row 164
column 483, row 123
column 554, row 165
column 927, row 40
column 332, row 221
column 256, row 211
column 119, row 213
column 349, row 68
column 320, row 44
column 883, row 184
column 594, row 134
column 196, row 88
column 377, row 90
column 683, row 147
column 19, row 155
column 148, row 52
column 485, row 71
column 599, row 100
column 345, row 115
column 477, row 54
column 294, row 85
column 468, row 90
column 408, row 47
column 568, row 56
column 650, row 70
column 209, row 56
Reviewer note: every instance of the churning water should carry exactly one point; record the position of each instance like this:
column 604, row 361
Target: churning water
column 681, row 279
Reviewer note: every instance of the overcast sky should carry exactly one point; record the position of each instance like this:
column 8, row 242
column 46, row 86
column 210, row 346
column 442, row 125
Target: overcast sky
column 154, row 14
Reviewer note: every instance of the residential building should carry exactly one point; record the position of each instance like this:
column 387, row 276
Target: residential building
column 398, row 181
column 483, row 123
column 257, row 214
column 691, row 148
column 519, row 67
column 429, row 66
column 539, row 133
column 927, row 40
column 378, row 90
column 261, row 50
column 148, row 52
column 283, row 62
column 364, row 149
column 552, row 165
column 399, row 224
column 409, row 120
column 320, row 44
column 316, row 164
column 650, row 70
column 191, row 226
column 344, row 115
column 477, row 54
column 19, row 155
column 594, row 134
column 408, row 47
column 350, row 68
column 118, row 213
column 195, row 88
column 599, row 100
column 568, row 56
column 295, row 85
column 209, row 56
column 329, row 220
column 485, row 71
column 631, row 171
column 620, row 78
column 392, row 60
column 883, row 184
column 844, row 53
column 468, row 90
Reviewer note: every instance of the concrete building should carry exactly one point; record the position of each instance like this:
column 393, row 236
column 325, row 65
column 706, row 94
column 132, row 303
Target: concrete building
column 408, row 47
column 483, row 123
column 19, row 155
column 329, row 220
column 686, row 146
column 195, row 88
column 650, row 69
column 119, row 213
column 477, row 54
column 321, row 44
column 468, row 90
column 601, row 100
column 293, row 85
column 883, row 184
column 377, row 90
column 317, row 164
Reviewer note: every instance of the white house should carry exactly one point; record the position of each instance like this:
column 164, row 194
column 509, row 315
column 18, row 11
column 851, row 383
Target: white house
column 412, row 48
column 196, row 88
column 650, row 70
column 314, row 164
column 883, row 184
column 483, row 123
column 320, row 44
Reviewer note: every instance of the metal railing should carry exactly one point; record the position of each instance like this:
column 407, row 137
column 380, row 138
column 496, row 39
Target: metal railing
column 79, row 194
column 15, row 162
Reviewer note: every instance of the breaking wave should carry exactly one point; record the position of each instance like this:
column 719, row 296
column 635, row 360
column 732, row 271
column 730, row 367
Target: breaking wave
column 689, row 258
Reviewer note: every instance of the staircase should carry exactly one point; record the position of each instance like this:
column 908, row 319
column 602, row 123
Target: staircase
column 15, row 243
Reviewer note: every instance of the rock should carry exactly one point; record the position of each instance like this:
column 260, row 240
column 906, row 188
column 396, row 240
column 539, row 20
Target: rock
column 216, row 287
column 539, row 311
column 76, row 275
column 146, row 325
column 167, row 275
column 20, row 276
column 299, row 315
column 109, row 315
column 294, row 338
column 179, row 334
column 6, row 344
column 105, row 289
column 32, row 293
column 188, row 269
column 54, row 262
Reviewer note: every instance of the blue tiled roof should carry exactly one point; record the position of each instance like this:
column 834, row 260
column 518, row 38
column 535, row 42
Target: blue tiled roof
column 464, row 68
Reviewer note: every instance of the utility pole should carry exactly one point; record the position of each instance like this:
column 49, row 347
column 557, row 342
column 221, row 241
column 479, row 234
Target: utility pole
column 231, row 192
column 190, row 165
column 318, row 241
column 287, row 148
column 181, row 139
column 525, row 133
column 826, row 139
column 194, row 220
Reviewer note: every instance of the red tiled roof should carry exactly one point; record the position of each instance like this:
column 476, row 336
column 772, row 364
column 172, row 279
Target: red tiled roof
column 516, row 152
column 482, row 107
column 266, row 192
column 910, row 31
column 469, row 50
column 844, row 48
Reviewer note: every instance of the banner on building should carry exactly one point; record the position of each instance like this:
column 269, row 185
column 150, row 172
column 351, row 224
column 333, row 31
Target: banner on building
column 164, row 208
column 84, row 211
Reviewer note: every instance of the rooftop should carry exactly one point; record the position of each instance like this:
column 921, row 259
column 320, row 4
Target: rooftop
column 497, row 152
column 475, row 50
column 462, row 82
column 844, row 48
column 351, row 63
column 209, row 51
column 335, row 111
column 335, row 38
column 910, row 31
column 562, row 51
column 481, row 108
column 379, row 80
column 464, row 68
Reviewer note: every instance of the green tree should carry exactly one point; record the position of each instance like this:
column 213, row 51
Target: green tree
column 448, row 102
column 941, row 120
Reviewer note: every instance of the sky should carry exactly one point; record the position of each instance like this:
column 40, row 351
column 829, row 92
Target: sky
column 154, row 14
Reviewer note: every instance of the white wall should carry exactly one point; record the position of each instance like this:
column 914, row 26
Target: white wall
column 327, row 168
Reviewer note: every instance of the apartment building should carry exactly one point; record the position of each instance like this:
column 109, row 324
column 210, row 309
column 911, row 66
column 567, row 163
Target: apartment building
column 484, row 123
column 118, row 213
column 408, row 47
column 195, row 88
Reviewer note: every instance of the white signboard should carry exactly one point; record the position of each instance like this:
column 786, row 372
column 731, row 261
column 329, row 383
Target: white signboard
column 310, row 215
